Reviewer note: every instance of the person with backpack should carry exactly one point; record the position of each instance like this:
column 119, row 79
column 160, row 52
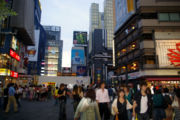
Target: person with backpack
column 158, row 106
column 167, row 104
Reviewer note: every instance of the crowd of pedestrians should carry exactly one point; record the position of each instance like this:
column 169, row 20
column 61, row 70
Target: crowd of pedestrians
column 13, row 94
column 99, row 102
column 122, row 103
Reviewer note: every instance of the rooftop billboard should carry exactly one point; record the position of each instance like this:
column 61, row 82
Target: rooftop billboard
column 79, row 37
column 78, row 57
column 124, row 10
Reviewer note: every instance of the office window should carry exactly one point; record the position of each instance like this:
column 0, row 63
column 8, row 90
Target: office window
column 163, row 16
column 174, row 16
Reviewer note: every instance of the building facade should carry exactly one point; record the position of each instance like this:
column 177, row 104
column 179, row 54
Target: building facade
column 36, row 53
column 53, row 51
column 17, row 32
column 147, row 41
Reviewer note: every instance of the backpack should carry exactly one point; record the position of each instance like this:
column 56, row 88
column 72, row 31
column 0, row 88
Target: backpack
column 167, row 101
column 158, row 100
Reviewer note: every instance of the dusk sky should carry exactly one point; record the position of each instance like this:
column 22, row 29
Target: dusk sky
column 70, row 15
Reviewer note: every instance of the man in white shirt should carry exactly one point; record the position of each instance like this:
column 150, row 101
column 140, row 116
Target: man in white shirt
column 142, row 103
column 102, row 98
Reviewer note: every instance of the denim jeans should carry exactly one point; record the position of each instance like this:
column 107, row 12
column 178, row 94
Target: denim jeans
column 62, row 110
column 144, row 116
column 159, row 114
column 129, row 113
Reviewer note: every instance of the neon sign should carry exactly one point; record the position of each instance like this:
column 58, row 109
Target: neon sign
column 14, row 74
column 174, row 55
column 14, row 55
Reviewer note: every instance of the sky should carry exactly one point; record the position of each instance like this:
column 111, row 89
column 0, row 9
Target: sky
column 71, row 15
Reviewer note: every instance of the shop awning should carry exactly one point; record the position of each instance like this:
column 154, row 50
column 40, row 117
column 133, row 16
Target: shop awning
column 164, row 79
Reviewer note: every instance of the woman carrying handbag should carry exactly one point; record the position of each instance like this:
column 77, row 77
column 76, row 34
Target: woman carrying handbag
column 120, row 106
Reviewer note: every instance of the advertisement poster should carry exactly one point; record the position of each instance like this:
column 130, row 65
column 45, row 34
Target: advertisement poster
column 78, row 57
column 124, row 10
column 33, row 50
column 79, row 37
column 81, row 71
column 168, row 52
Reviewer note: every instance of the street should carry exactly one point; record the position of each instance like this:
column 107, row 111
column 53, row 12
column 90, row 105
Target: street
column 35, row 110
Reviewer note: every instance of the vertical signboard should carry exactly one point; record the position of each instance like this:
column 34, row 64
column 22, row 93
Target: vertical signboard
column 33, row 50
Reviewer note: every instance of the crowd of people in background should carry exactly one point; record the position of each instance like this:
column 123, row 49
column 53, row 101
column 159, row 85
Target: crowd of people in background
column 100, row 102
column 123, row 102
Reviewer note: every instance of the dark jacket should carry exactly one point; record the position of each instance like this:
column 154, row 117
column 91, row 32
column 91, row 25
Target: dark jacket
column 137, row 98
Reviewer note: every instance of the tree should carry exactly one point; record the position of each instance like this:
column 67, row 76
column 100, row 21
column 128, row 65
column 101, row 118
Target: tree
column 5, row 10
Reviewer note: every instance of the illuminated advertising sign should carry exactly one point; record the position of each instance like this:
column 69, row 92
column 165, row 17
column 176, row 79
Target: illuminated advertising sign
column 4, row 72
column 78, row 56
column 79, row 37
column 168, row 52
column 124, row 10
column 14, row 74
column 14, row 55
column 81, row 71
column 14, row 43
column 174, row 55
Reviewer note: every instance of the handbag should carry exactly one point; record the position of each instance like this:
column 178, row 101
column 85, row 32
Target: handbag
column 116, row 117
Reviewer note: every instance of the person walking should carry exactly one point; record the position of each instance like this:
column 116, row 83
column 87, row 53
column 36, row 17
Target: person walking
column 62, row 102
column 76, row 97
column 176, row 105
column 88, row 107
column 102, row 98
column 158, row 104
column 11, row 99
column 120, row 106
column 168, row 102
column 56, row 95
column 5, row 97
column 128, row 96
column 142, row 103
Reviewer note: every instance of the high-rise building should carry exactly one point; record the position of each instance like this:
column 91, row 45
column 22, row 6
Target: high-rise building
column 95, row 22
column 109, row 21
column 54, row 46
column 147, row 41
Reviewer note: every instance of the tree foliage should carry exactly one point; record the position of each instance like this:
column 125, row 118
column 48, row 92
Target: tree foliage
column 5, row 10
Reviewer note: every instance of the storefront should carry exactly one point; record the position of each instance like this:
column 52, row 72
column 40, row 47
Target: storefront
column 9, row 62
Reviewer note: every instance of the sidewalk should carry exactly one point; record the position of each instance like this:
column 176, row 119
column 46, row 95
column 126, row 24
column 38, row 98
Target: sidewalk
column 34, row 110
